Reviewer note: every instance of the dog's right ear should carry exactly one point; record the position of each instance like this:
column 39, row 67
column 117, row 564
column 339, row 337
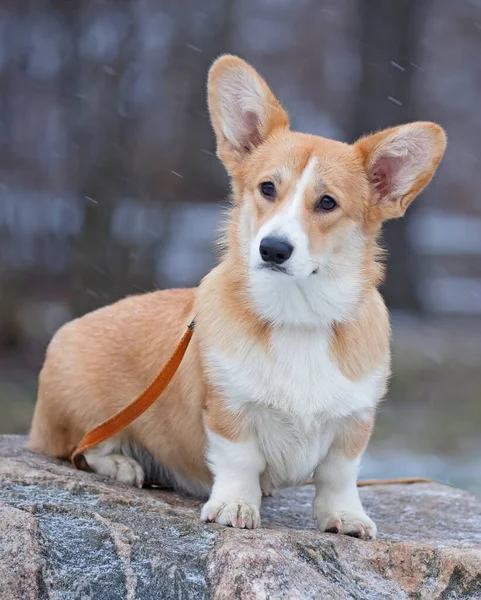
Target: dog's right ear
column 243, row 109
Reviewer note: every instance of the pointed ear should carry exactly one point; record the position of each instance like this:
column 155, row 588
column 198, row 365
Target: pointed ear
column 400, row 162
column 243, row 109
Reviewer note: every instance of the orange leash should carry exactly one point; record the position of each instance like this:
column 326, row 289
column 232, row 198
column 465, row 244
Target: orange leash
column 400, row 480
column 129, row 413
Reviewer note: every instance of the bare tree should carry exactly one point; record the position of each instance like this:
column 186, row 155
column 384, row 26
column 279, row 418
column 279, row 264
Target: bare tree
column 388, row 37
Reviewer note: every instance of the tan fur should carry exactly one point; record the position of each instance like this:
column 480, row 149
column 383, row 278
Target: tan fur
column 373, row 147
column 225, row 311
column 354, row 436
column 222, row 421
column 360, row 345
column 97, row 364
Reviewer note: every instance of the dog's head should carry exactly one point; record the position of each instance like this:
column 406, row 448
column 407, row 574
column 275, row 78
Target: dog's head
column 309, row 209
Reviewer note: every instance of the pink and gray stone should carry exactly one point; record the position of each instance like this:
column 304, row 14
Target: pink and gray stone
column 68, row 535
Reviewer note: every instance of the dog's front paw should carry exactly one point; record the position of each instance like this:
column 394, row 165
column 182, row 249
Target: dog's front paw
column 233, row 513
column 355, row 524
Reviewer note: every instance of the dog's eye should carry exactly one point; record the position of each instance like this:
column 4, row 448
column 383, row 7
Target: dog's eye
column 325, row 204
column 268, row 190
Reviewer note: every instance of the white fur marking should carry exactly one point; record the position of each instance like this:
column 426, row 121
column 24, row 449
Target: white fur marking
column 337, row 504
column 236, row 494
column 293, row 396
column 287, row 224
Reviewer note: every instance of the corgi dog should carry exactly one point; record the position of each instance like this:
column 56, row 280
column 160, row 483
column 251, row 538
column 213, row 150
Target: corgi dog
column 291, row 350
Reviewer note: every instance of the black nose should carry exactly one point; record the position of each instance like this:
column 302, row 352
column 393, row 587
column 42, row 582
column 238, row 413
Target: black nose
column 275, row 250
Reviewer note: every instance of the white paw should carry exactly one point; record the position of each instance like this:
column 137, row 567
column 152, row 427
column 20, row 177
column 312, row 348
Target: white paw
column 234, row 513
column 355, row 524
column 117, row 466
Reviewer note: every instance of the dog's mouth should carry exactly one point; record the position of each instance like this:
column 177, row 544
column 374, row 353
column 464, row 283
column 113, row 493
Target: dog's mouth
column 275, row 268
column 280, row 269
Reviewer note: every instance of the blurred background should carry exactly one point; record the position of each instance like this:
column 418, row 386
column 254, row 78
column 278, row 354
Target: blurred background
column 109, row 184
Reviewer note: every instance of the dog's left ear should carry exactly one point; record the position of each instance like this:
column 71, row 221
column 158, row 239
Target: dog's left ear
column 400, row 162
column 243, row 109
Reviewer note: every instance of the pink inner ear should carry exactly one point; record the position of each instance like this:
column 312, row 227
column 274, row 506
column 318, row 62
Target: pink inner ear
column 379, row 180
column 384, row 172
column 250, row 137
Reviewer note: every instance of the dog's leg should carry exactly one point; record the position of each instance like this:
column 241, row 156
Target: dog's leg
column 236, row 494
column 107, row 459
column 337, row 507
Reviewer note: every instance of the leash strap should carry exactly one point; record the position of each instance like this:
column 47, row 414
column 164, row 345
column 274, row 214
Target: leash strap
column 402, row 481
column 129, row 413
column 399, row 481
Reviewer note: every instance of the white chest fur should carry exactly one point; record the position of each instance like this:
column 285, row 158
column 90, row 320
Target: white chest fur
column 293, row 395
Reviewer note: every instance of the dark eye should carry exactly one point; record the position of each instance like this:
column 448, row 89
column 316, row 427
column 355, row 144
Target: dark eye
column 268, row 190
column 326, row 203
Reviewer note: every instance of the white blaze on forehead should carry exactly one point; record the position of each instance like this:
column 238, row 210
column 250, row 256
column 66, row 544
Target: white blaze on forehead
column 287, row 224
column 287, row 220
column 293, row 208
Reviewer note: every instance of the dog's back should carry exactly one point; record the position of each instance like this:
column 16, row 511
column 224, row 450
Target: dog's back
column 96, row 364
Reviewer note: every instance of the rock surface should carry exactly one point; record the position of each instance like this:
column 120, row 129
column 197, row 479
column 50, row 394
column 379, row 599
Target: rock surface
column 71, row 535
